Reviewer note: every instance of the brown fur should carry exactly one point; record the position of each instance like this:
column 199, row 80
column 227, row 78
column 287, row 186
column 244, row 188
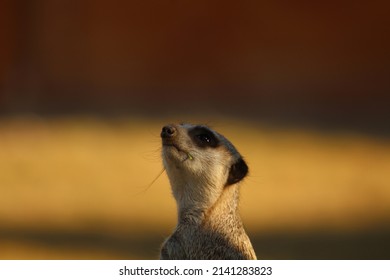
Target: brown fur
column 204, row 181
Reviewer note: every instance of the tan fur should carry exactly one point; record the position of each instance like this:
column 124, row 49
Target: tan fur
column 209, row 225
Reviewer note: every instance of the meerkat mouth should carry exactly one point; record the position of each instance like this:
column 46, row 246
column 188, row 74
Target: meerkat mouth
column 172, row 145
column 189, row 156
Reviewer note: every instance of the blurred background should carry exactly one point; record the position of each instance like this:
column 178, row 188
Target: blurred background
column 302, row 89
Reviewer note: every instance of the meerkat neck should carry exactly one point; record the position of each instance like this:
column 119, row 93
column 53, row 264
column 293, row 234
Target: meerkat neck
column 226, row 207
column 196, row 208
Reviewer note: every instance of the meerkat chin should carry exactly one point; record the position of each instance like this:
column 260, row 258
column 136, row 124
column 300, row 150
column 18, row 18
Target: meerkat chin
column 204, row 170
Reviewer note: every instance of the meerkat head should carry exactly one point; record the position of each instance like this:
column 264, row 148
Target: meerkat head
column 199, row 162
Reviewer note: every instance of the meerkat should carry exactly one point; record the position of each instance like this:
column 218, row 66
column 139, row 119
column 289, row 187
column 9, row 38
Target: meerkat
column 204, row 170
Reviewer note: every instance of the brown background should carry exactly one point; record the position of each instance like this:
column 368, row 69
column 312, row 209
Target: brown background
column 305, row 62
column 301, row 87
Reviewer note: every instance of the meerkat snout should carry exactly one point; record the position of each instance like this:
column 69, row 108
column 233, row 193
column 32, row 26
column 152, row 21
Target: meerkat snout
column 168, row 131
column 204, row 169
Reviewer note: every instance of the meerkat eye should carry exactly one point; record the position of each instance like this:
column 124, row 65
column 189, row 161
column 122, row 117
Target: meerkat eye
column 204, row 138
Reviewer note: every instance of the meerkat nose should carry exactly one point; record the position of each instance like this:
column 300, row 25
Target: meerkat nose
column 168, row 131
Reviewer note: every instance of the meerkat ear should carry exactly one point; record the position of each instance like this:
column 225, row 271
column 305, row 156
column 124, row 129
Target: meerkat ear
column 237, row 172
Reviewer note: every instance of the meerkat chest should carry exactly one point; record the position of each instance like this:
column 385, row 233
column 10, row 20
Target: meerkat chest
column 205, row 244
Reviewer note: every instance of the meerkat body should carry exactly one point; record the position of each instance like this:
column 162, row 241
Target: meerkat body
column 204, row 169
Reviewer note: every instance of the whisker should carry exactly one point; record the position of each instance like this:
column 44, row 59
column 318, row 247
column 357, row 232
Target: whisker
column 154, row 180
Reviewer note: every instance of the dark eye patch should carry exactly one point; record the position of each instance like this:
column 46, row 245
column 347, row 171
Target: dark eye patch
column 203, row 137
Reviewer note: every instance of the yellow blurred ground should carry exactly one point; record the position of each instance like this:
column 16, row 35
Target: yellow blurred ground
column 78, row 188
